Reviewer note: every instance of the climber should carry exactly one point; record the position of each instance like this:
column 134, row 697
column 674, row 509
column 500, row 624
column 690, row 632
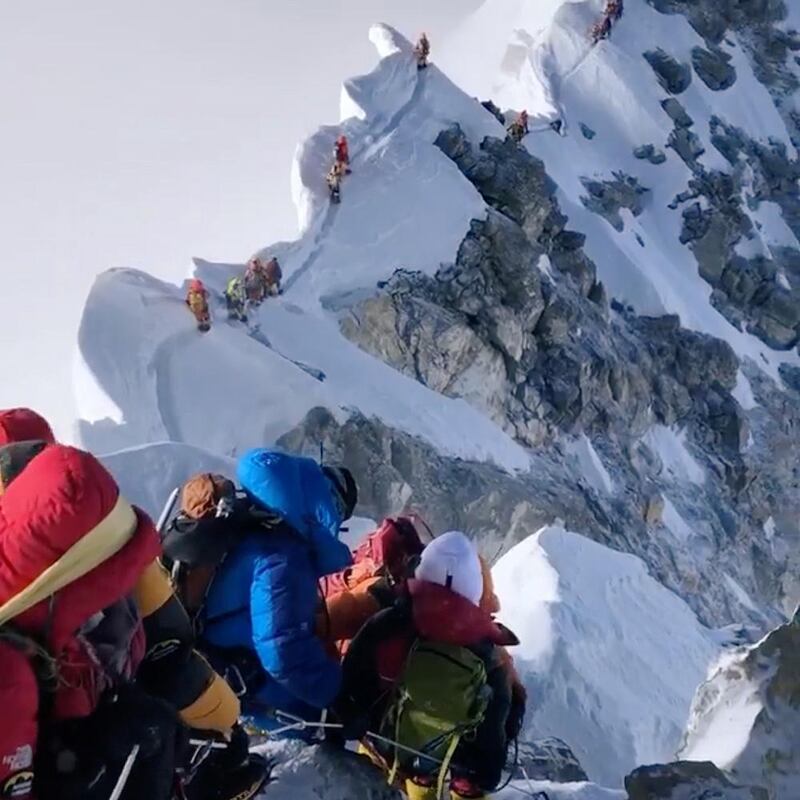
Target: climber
column 197, row 300
column 382, row 564
column 518, row 129
column 236, row 299
column 601, row 29
column 614, row 10
column 255, row 282
column 334, row 181
column 258, row 613
column 423, row 667
column 168, row 667
column 422, row 51
column 70, row 637
column 273, row 275
column 341, row 153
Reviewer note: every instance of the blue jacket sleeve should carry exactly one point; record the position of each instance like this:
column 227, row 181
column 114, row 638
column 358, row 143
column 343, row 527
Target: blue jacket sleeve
column 283, row 598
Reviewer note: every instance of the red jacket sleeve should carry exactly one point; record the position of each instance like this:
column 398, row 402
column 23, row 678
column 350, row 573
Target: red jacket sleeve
column 19, row 699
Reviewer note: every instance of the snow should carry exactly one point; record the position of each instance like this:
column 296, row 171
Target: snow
column 357, row 529
column 740, row 594
column 590, row 464
column 673, row 520
column 670, row 446
column 721, row 736
column 536, row 55
column 769, row 528
column 743, row 392
column 611, row 657
column 406, row 205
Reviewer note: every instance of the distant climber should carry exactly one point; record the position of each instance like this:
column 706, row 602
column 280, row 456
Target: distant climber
column 341, row 153
column 197, row 300
column 422, row 51
column 236, row 299
column 518, row 129
column 273, row 274
column 334, row 181
column 255, row 282
column 601, row 29
column 614, row 10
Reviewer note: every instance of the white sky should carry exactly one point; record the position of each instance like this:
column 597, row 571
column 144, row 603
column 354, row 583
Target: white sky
column 144, row 132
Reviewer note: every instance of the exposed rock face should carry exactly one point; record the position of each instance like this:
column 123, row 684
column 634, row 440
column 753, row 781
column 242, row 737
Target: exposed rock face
column 306, row 772
column 759, row 294
column 673, row 76
column 755, row 699
column 549, row 760
column 649, row 152
column 686, row 780
column 606, row 198
column 770, row 48
column 713, row 67
column 540, row 352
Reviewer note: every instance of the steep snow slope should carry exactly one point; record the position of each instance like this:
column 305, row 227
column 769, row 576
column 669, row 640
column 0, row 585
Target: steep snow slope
column 611, row 657
column 144, row 373
column 746, row 718
column 546, row 64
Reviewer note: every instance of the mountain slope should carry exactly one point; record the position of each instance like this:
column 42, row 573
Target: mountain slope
column 505, row 336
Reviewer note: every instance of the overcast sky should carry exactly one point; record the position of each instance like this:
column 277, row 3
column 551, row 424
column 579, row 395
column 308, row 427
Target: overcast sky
column 144, row 132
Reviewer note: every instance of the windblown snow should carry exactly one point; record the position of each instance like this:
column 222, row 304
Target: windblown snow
column 611, row 657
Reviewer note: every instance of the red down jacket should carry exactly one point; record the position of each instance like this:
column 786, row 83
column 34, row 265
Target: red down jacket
column 59, row 496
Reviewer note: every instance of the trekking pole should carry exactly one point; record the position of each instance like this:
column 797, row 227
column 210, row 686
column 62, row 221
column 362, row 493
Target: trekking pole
column 119, row 787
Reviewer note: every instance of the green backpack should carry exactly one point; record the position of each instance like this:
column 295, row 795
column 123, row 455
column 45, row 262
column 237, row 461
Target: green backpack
column 440, row 698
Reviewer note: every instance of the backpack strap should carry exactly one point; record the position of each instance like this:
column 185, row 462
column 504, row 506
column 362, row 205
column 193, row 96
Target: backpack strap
column 107, row 538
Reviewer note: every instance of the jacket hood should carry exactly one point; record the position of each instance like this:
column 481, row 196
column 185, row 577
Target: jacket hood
column 22, row 425
column 60, row 496
column 297, row 489
column 444, row 616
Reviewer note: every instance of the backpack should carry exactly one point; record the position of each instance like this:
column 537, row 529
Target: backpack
column 440, row 698
column 210, row 522
column 388, row 552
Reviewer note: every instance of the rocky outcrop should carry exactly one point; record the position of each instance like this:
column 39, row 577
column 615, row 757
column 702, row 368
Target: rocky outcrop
column 770, row 47
column 686, row 780
column 310, row 772
column 753, row 293
column 518, row 327
column 649, row 152
column 548, row 760
column 755, row 699
column 673, row 76
column 713, row 67
column 606, row 198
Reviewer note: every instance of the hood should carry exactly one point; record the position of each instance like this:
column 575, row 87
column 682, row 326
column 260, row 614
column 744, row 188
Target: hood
column 444, row 616
column 22, row 425
column 62, row 495
column 297, row 489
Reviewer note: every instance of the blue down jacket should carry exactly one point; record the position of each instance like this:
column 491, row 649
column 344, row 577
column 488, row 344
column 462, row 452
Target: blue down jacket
column 264, row 596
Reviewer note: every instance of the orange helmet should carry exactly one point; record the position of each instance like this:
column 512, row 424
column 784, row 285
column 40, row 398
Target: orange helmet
column 342, row 139
column 196, row 285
